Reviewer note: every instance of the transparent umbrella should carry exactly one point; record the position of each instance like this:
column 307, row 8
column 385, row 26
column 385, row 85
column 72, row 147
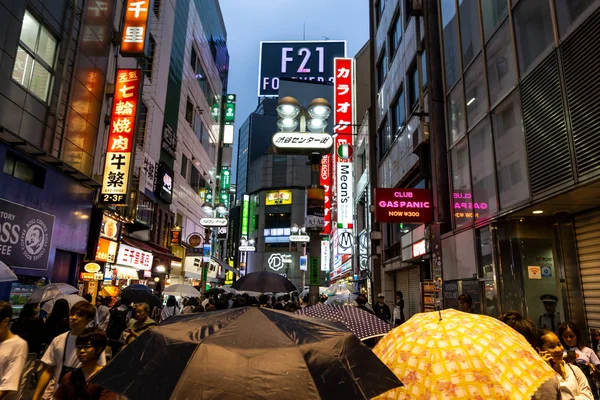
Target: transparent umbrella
column 72, row 299
column 51, row 291
column 341, row 288
column 6, row 274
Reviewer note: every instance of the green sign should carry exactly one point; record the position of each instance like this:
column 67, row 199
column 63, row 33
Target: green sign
column 225, row 178
column 245, row 207
column 230, row 98
column 224, row 198
column 208, row 198
column 214, row 110
column 229, row 113
column 314, row 272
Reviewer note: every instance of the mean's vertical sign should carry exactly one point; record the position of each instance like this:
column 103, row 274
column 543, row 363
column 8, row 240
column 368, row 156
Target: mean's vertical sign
column 135, row 27
column 343, row 128
column 120, row 140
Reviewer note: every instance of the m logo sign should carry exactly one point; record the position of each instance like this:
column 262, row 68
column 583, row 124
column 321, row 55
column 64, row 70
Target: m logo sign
column 345, row 241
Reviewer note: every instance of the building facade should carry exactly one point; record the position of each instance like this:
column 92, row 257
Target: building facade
column 520, row 85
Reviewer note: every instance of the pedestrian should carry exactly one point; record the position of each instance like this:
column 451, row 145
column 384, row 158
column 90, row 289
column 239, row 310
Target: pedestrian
column 13, row 355
column 551, row 318
column 465, row 303
column 399, row 318
column 595, row 335
column 263, row 300
column 31, row 329
column 118, row 320
column 549, row 390
column 577, row 353
column 139, row 324
column 103, row 312
column 361, row 302
column 170, row 309
column 381, row 309
column 75, row 385
column 210, row 305
column 190, row 306
column 57, row 322
column 61, row 356
column 229, row 300
column 573, row 383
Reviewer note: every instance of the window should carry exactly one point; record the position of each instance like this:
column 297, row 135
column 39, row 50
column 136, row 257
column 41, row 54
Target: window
column 379, row 7
column 141, row 125
column 469, row 30
column 395, row 36
column 493, row 12
column 189, row 112
column 461, row 185
column 475, row 92
column 149, row 63
column 24, row 170
column 482, row 171
column 500, row 63
column 184, row 166
column 35, row 58
column 195, row 179
column 424, row 69
column 567, row 12
column 398, row 114
column 382, row 66
column 193, row 59
column 450, row 36
column 533, row 28
column 456, row 115
column 156, row 8
column 413, row 86
column 385, row 139
column 511, row 160
column 407, row 11
column 277, row 220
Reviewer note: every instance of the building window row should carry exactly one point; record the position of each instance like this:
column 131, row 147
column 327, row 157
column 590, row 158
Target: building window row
column 201, row 77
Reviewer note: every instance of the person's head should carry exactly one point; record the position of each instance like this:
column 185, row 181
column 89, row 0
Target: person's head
column 291, row 307
column 60, row 310
column 193, row 302
column 286, row 297
column 141, row 311
column 229, row 296
column 361, row 300
column 29, row 311
column 550, row 302
column 81, row 314
column 262, row 299
column 399, row 295
column 171, row 302
column 126, row 302
column 323, row 299
column 570, row 336
column 5, row 316
column 211, row 301
column 90, row 345
column 199, row 308
column 549, row 343
column 465, row 302
column 240, row 302
column 88, row 297
column 380, row 298
column 523, row 325
column 305, row 299
column 595, row 334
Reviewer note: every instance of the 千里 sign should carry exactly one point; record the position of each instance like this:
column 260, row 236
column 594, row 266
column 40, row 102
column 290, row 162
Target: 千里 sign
column 403, row 205
column 135, row 27
column 25, row 236
column 305, row 60
column 302, row 142
column 120, row 139
column 132, row 257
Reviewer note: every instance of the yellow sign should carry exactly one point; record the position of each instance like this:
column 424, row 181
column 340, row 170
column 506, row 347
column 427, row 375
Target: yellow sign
column 91, row 267
column 278, row 197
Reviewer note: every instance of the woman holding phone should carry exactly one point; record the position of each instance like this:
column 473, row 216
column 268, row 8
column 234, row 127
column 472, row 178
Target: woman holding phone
column 573, row 383
column 577, row 353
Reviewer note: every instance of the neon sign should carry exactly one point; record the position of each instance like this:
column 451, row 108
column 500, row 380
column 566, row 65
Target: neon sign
column 403, row 205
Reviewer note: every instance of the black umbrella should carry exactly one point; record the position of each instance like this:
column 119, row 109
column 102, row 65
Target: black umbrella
column 264, row 282
column 246, row 353
column 363, row 324
column 140, row 295
column 213, row 291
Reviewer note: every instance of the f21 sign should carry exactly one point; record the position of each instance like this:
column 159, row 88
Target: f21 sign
column 304, row 60
column 403, row 205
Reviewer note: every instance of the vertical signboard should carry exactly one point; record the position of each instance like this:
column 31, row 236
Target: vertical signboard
column 344, row 96
column 135, row 27
column 225, row 178
column 325, row 255
column 245, row 207
column 325, row 181
column 314, row 272
column 121, row 137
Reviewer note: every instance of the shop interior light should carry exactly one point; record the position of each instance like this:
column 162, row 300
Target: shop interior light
column 156, row 279
column 537, row 212
column 319, row 108
column 287, row 124
column 207, row 207
column 316, row 124
column 221, row 208
column 288, row 107
column 160, row 268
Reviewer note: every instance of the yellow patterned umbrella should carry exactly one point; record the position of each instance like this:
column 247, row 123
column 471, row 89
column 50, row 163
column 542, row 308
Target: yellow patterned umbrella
column 110, row 291
column 461, row 356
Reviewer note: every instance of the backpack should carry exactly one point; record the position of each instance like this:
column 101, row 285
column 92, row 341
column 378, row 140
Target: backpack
column 117, row 323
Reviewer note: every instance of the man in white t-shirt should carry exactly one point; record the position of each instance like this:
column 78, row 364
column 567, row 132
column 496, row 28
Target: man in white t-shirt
column 61, row 355
column 13, row 354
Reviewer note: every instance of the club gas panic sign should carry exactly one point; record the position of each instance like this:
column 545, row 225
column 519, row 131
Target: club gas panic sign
column 403, row 205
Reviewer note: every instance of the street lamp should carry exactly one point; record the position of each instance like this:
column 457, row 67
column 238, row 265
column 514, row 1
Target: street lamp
column 251, row 242
column 207, row 208
column 221, row 208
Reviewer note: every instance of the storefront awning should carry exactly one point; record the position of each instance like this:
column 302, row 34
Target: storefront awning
column 147, row 246
column 225, row 266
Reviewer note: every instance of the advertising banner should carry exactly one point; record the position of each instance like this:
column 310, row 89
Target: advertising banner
column 245, row 212
column 325, row 255
column 403, row 205
column 132, row 257
column 302, row 60
column 106, row 250
column 164, row 188
column 25, row 236
column 135, row 28
column 325, row 181
column 278, row 197
column 117, row 166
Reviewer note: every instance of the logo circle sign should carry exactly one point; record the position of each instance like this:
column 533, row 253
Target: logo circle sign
column 275, row 262
column 345, row 151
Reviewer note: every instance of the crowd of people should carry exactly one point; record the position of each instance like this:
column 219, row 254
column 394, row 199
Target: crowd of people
column 56, row 354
